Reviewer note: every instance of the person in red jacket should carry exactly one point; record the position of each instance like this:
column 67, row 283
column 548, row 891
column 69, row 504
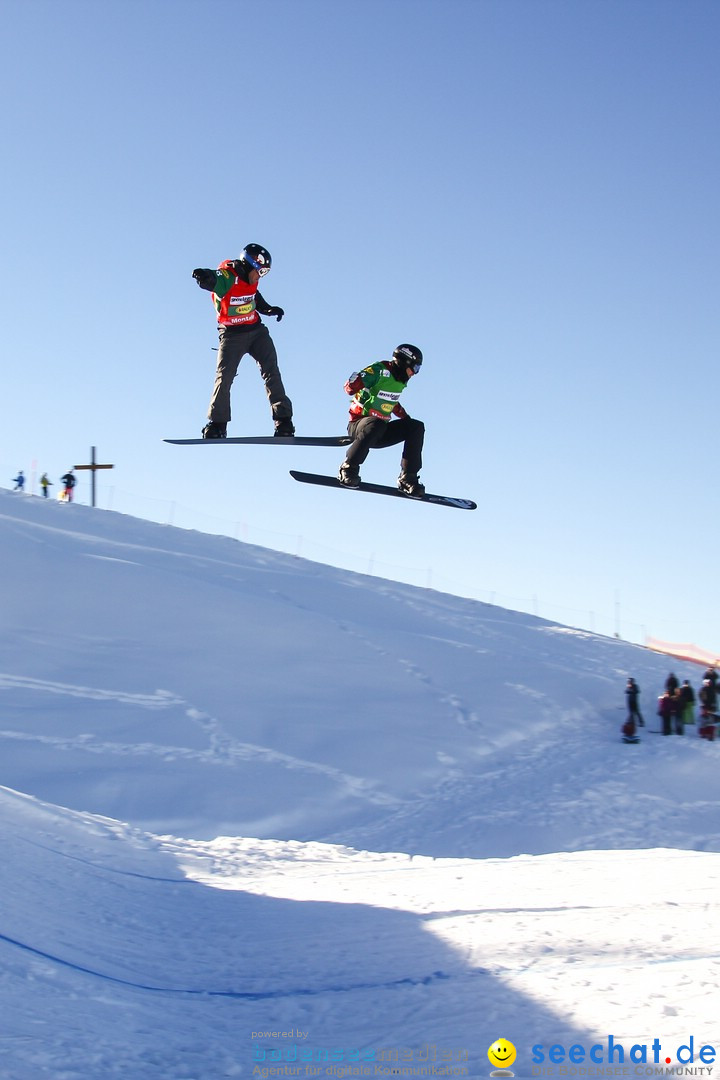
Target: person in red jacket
column 238, row 304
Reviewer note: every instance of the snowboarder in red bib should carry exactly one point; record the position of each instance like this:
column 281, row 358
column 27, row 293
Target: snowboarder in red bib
column 377, row 419
column 238, row 303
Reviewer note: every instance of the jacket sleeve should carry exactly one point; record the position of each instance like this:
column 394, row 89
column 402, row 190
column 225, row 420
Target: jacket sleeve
column 262, row 305
column 355, row 383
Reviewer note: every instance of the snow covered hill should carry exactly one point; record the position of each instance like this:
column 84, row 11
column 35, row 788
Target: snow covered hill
column 245, row 793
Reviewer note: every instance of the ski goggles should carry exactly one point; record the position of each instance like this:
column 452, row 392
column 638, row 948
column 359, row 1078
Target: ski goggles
column 404, row 356
column 262, row 270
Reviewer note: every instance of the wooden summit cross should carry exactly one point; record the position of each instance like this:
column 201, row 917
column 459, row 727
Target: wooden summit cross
column 93, row 467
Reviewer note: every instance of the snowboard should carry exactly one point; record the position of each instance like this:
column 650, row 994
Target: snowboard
column 267, row 440
column 381, row 489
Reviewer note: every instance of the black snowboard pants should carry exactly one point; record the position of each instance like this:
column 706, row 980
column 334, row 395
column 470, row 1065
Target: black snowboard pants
column 371, row 433
column 234, row 344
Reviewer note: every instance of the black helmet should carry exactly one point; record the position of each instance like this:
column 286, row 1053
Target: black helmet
column 409, row 355
column 257, row 258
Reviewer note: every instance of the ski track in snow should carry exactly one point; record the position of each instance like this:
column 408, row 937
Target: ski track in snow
column 161, row 699
column 223, row 749
column 458, row 710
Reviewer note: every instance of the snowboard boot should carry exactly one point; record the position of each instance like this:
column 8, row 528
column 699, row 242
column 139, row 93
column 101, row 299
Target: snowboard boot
column 349, row 475
column 284, row 427
column 214, row 430
column 410, row 485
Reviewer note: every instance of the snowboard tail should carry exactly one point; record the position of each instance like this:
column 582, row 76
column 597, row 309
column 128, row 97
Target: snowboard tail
column 382, row 489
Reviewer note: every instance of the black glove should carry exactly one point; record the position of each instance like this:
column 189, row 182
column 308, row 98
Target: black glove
column 276, row 311
column 205, row 278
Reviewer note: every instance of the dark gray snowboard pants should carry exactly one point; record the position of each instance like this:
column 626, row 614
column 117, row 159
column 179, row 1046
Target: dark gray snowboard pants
column 371, row 433
column 234, row 344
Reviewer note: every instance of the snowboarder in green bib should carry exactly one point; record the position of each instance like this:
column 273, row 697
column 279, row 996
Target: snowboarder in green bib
column 376, row 394
column 238, row 303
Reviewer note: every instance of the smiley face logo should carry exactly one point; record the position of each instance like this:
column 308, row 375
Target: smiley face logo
column 501, row 1054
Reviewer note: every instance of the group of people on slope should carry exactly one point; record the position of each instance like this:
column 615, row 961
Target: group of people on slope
column 66, row 492
column 375, row 390
column 676, row 705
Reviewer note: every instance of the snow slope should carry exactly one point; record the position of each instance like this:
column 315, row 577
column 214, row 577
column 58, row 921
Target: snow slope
column 247, row 794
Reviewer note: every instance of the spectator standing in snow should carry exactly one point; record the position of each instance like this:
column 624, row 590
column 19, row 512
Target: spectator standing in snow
column 19, row 481
column 665, row 712
column 632, row 693
column 69, row 481
column 45, row 483
column 687, row 696
column 712, row 675
column 678, row 706
column 708, row 698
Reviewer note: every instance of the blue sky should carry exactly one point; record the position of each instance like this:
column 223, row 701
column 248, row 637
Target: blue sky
column 527, row 189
